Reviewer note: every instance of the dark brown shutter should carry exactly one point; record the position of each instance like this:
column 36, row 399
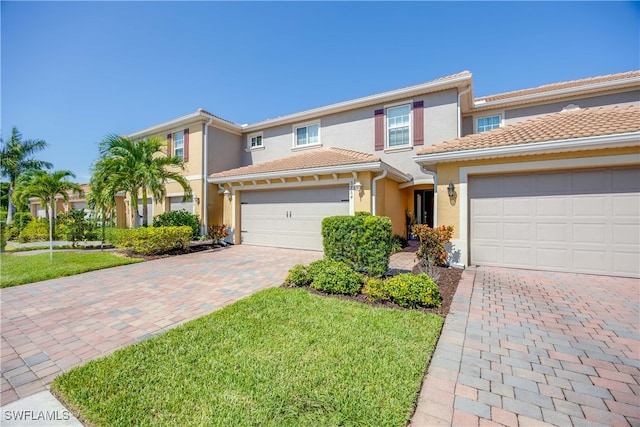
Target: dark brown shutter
column 418, row 123
column 169, row 152
column 186, row 145
column 379, row 130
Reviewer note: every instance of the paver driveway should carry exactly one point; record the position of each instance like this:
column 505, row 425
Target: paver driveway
column 51, row 326
column 526, row 347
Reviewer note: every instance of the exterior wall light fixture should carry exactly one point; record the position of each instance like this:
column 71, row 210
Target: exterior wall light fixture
column 357, row 187
column 227, row 194
column 451, row 189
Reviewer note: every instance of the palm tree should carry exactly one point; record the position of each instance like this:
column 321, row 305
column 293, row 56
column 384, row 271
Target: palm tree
column 102, row 197
column 139, row 167
column 47, row 186
column 17, row 158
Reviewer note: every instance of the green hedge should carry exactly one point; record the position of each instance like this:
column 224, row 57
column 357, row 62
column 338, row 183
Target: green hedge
column 178, row 219
column 151, row 240
column 35, row 231
column 362, row 241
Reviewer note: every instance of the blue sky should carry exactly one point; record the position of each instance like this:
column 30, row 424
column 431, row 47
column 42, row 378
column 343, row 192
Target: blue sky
column 73, row 72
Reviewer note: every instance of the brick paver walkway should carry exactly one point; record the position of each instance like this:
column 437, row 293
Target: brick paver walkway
column 526, row 347
column 51, row 326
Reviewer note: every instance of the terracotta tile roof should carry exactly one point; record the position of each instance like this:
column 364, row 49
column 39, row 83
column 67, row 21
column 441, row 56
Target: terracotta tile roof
column 560, row 85
column 579, row 123
column 323, row 157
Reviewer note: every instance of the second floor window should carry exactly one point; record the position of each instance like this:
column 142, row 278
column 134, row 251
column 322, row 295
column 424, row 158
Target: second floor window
column 178, row 144
column 307, row 135
column 256, row 141
column 488, row 123
column 398, row 132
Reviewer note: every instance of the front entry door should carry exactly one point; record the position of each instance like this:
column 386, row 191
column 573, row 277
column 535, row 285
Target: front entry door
column 423, row 207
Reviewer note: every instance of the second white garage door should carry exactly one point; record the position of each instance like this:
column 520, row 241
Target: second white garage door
column 289, row 218
column 585, row 221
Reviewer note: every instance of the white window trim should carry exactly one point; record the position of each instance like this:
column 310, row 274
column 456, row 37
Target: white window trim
column 254, row 135
column 408, row 146
column 484, row 116
column 294, row 128
column 173, row 143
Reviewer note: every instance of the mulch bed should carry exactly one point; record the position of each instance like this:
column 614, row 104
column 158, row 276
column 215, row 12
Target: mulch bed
column 447, row 282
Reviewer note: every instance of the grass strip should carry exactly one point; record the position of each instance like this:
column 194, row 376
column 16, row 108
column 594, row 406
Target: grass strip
column 282, row 357
column 18, row 270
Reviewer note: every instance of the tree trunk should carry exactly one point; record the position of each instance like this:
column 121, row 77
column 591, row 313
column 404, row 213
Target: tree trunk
column 51, row 229
column 145, row 209
column 11, row 207
column 103, row 230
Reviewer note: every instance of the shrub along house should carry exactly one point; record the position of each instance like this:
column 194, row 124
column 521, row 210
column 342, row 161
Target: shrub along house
column 540, row 178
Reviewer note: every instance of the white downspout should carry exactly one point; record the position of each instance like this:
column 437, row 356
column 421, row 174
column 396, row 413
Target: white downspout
column 205, row 175
column 374, row 185
column 460, row 112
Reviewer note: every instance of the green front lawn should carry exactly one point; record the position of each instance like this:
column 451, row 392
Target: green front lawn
column 18, row 270
column 282, row 357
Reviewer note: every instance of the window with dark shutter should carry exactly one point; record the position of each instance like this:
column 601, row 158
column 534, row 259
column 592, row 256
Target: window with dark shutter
column 169, row 147
column 379, row 130
column 418, row 123
column 186, row 145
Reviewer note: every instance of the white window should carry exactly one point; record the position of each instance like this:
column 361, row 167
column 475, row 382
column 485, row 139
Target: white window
column 484, row 124
column 398, row 126
column 254, row 141
column 306, row 135
column 178, row 144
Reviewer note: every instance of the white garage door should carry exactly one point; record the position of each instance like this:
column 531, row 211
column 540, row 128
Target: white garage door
column 290, row 218
column 176, row 203
column 585, row 221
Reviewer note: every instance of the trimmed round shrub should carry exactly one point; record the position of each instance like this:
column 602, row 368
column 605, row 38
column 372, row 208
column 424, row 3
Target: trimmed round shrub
column 376, row 289
column 298, row 276
column 413, row 290
column 335, row 277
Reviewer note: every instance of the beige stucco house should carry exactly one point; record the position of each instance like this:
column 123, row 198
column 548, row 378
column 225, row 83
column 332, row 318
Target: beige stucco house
column 543, row 178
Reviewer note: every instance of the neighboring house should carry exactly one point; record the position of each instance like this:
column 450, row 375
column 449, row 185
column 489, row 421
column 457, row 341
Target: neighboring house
column 542, row 178
column 79, row 202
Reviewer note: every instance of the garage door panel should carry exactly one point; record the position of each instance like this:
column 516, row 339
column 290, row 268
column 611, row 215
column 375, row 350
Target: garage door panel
column 518, row 206
column 518, row 186
column 549, row 258
column 626, row 234
column 489, row 254
column 626, row 180
column 590, row 233
column 488, row 230
column 550, row 207
column 516, row 231
column 548, row 184
column 488, row 207
column 591, row 181
column 626, row 205
column 513, row 255
column 582, row 221
column 627, row 262
column 593, row 261
column 551, row 233
column 589, row 206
